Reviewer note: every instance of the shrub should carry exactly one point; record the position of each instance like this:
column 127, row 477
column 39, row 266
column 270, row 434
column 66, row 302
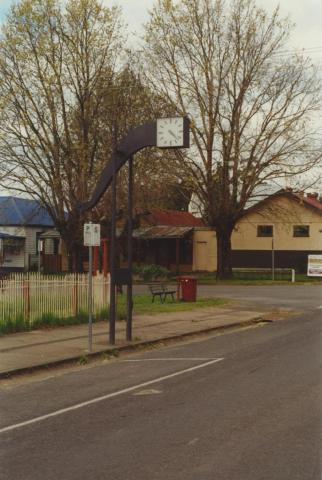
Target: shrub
column 148, row 273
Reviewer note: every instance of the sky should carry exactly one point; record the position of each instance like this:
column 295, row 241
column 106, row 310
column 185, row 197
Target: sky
column 306, row 14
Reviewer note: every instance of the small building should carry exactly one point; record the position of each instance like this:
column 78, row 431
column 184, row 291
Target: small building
column 21, row 223
column 287, row 223
column 165, row 237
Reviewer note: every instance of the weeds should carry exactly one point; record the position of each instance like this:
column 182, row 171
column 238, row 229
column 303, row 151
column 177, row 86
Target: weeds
column 83, row 360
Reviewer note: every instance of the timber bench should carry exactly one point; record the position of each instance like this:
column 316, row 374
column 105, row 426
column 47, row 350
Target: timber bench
column 162, row 291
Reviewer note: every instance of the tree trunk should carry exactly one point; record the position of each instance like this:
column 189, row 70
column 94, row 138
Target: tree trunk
column 224, row 261
column 70, row 261
column 75, row 260
column 78, row 265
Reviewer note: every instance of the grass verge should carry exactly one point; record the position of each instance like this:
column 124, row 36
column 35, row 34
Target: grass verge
column 142, row 304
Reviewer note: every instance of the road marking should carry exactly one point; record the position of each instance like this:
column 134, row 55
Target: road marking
column 192, row 442
column 106, row 397
column 148, row 391
column 170, row 359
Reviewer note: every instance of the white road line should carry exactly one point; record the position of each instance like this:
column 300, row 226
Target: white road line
column 104, row 397
column 170, row 359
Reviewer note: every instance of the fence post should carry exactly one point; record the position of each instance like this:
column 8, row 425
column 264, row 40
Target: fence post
column 75, row 296
column 26, row 298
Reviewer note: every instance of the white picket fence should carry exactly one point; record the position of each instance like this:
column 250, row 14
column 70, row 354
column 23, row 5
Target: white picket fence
column 32, row 296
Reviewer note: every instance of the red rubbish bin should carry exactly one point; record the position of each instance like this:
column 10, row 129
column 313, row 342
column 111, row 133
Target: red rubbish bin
column 188, row 286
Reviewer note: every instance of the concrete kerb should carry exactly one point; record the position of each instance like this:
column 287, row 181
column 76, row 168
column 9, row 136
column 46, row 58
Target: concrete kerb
column 113, row 351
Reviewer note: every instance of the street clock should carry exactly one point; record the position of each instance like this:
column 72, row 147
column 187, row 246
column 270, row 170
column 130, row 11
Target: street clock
column 173, row 132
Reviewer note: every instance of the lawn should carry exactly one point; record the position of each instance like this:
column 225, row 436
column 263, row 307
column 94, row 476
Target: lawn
column 142, row 304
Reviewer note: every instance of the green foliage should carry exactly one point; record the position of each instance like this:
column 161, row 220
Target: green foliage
column 13, row 325
column 83, row 360
column 57, row 63
column 149, row 273
column 50, row 320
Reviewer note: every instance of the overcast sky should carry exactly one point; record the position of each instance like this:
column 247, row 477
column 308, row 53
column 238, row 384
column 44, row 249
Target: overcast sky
column 307, row 14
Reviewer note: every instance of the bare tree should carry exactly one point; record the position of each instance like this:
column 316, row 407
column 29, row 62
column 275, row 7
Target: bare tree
column 52, row 61
column 251, row 106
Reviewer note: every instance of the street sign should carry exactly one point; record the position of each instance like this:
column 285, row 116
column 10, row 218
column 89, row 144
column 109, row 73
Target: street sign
column 92, row 234
column 314, row 265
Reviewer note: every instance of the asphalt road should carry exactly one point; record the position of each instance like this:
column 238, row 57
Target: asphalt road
column 241, row 406
column 298, row 297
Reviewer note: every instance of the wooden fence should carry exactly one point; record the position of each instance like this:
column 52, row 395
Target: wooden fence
column 32, row 296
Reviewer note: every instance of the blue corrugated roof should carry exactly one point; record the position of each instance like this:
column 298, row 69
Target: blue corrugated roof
column 23, row 211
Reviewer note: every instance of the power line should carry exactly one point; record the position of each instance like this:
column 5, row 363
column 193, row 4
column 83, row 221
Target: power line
column 294, row 50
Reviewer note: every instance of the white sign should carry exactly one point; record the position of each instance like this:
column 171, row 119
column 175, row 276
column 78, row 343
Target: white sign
column 92, row 234
column 314, row 266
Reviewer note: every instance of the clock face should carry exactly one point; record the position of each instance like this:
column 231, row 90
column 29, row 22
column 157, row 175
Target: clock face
column 170, row 132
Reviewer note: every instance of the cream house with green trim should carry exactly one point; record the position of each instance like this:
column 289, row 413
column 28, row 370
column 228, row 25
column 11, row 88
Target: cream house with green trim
column 290, row 223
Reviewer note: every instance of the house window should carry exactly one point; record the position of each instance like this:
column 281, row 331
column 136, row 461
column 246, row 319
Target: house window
column 14, row 246
column 301, row 231
column 264, row 230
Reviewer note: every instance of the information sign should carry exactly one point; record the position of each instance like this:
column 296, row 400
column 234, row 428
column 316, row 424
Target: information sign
column 92, row 234
column 314, row 266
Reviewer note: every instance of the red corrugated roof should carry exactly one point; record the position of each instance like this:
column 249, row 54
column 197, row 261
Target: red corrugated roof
column 159, row 216
column 161, row 231
column 312, row 201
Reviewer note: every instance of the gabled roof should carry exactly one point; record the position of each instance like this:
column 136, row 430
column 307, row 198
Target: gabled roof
column 23, row 212
column 175, row 218
column 309, row 200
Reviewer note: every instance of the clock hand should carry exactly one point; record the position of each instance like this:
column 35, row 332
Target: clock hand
column 171, row 133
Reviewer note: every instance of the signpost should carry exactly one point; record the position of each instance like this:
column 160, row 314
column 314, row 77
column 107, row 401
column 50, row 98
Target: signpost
column 273, row 261
column 92, row 238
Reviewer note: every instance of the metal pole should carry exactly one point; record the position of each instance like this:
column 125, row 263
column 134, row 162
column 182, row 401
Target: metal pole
column 112, row 258
column 90, row 296
column 130, row 254
column 273, row 261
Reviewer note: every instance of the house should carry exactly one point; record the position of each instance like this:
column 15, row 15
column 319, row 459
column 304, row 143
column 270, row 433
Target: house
column 21, row 223
column 165, row 237
column 286, row 222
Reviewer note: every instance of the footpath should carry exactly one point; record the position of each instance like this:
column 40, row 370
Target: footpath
column 40, row 349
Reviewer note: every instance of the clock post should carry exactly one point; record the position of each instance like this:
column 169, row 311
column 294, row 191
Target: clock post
column 172, row 132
